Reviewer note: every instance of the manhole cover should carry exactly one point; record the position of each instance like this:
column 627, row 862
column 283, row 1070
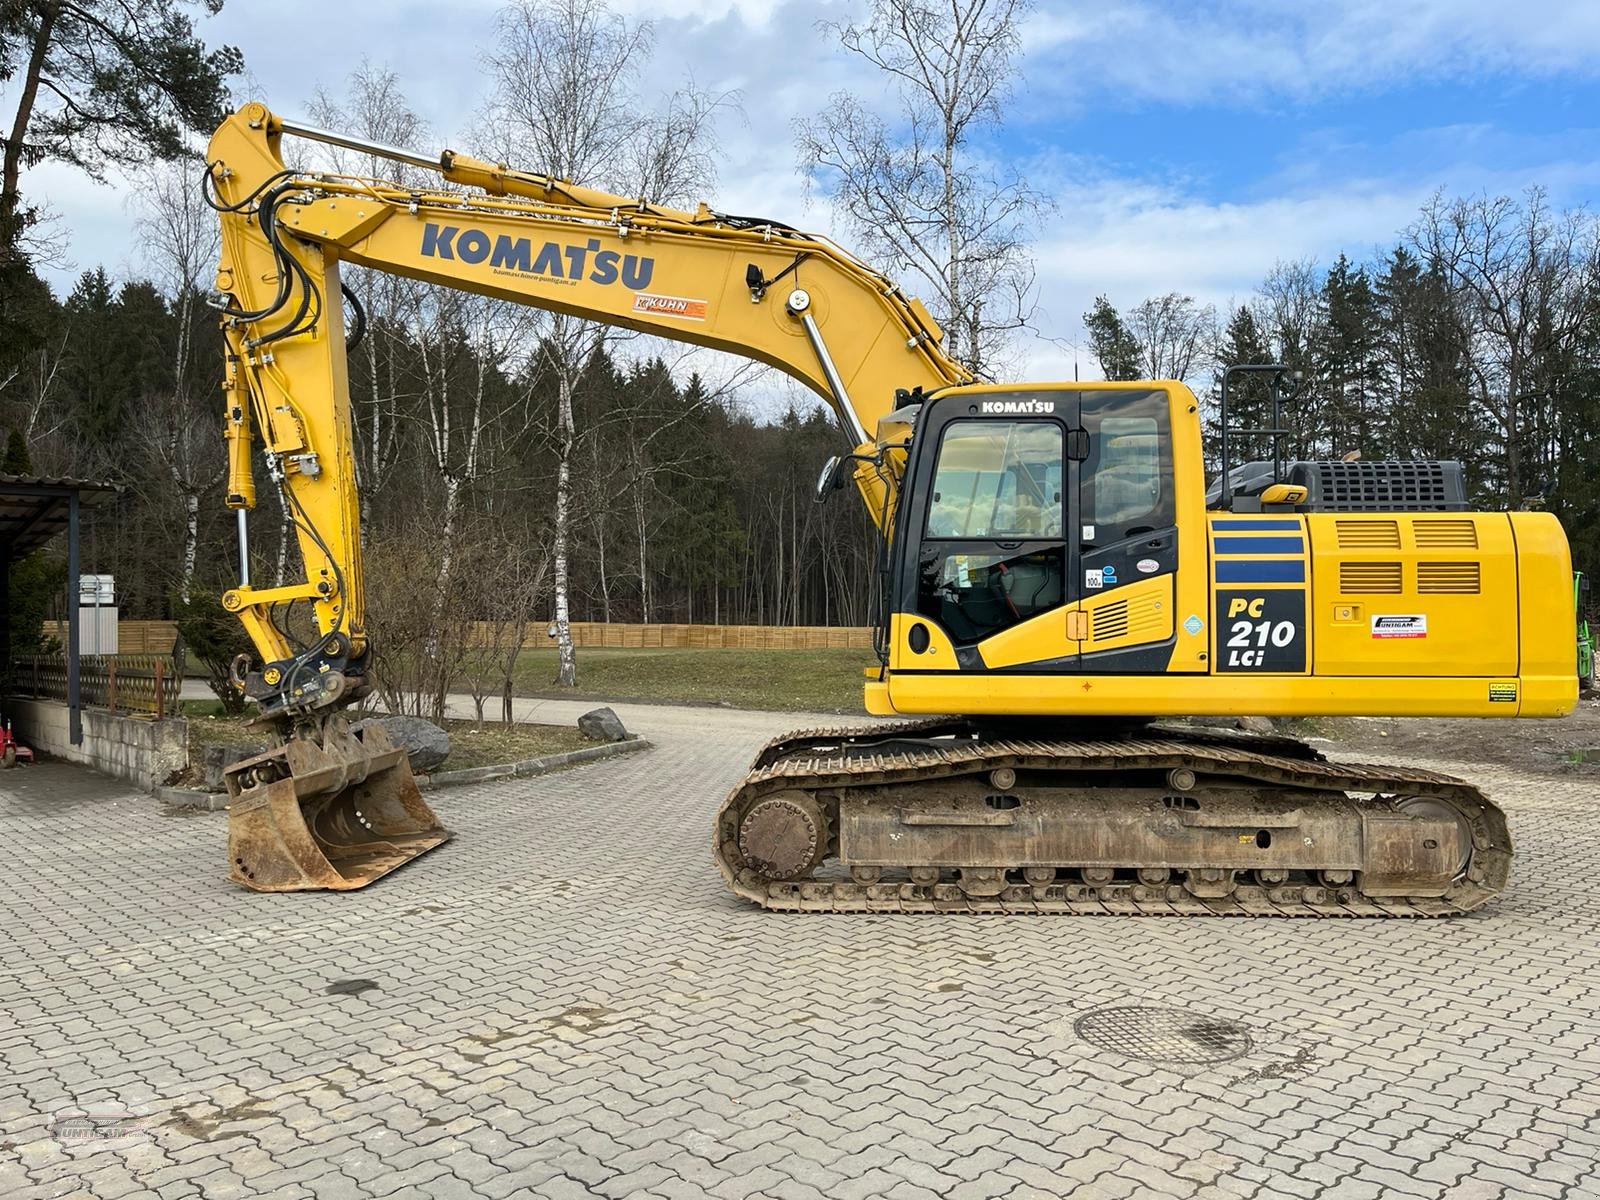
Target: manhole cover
column 1163, row 1035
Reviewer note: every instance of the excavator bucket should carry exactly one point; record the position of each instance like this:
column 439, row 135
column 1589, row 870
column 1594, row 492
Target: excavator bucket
column 337, row 815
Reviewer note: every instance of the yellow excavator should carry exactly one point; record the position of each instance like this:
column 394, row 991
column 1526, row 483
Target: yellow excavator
column 1060, row 588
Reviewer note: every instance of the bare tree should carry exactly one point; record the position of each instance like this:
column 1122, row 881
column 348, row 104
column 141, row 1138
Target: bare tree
column 914, row 187
column 181, row 242
column 562, row 100
column 374, row 107
column 1176, row 335
column 1525, row 276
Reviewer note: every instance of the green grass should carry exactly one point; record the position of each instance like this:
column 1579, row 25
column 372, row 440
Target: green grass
column 495, row 744
column 778, row 680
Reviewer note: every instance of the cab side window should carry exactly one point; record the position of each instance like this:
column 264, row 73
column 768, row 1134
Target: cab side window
column 1127, row 480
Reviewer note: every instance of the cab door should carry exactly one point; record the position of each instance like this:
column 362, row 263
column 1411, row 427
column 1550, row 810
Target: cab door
column 1124, row 523
column 995, row 548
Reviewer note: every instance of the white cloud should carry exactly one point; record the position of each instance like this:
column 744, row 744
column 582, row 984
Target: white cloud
column 1124, row 51
column 1130, row 233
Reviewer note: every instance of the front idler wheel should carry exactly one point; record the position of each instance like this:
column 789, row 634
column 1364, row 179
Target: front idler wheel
column 784, row 836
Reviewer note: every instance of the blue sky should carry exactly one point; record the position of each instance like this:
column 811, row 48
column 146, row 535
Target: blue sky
column 1189, row 146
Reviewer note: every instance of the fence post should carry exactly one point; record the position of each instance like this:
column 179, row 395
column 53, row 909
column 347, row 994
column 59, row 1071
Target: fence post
column 161, row 690
column 111, row 682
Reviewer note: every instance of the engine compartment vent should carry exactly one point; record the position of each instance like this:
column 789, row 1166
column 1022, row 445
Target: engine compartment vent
column 1445, row 535
column 1369, row 578
column 1449, row 578
column 1368, row 535
column 1392, row 486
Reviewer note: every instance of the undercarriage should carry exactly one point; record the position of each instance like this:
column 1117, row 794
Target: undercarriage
column 946, row 815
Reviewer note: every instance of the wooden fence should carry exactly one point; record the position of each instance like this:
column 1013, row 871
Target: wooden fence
column 590, row 634
column 120, row 682
column 133, row 637
column 160, row 637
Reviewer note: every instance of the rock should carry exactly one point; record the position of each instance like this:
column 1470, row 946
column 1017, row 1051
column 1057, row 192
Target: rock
column 426, row 744
column 1255, row 724
column 219, row 758
column 602, row 725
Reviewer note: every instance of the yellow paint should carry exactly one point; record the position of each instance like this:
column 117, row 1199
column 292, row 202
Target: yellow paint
column 1240, row 694
column 1466, row 632
column 1547, row 634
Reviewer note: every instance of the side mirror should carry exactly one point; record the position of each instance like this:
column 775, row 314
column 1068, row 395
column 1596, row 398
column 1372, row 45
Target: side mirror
column 832, row 477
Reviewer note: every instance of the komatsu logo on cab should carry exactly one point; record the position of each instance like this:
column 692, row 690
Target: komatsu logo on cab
column 1019, row 407
column 553, row 260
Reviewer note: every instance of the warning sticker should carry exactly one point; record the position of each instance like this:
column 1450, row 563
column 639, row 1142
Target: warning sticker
column 669, row 306
column 1503, row 693
column 1403, row 625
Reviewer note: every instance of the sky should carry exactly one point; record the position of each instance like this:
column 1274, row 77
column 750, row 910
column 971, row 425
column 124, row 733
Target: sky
column 1187, row 146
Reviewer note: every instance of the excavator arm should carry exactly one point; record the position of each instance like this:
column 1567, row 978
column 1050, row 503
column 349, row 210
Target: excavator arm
column 332, row 808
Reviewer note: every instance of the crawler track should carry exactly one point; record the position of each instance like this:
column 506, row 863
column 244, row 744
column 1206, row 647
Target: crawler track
column 835, row 808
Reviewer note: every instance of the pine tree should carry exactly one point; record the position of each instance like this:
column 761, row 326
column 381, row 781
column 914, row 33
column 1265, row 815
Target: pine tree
column 1249, row 395
column 1116, row 349
column 1347, row 362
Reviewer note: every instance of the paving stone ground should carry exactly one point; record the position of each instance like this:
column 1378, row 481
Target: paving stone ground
column 567, row 1003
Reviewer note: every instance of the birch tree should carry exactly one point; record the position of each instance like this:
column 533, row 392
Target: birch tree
column 914, row 185
column 182, row 242
column 562, row 100
column 374, row 107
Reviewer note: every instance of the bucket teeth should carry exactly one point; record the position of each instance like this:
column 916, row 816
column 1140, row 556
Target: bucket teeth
column 330, row 815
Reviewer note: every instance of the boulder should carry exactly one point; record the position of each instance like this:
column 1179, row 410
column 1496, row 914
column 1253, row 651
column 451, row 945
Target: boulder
column 1255, row 724
column 602, row 725
column 218, row 758
column 425, row 743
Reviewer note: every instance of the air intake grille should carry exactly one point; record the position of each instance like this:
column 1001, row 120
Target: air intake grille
column 1448, row 578
column 1109, row 621
column 1383, row 486
column 1369, row 578
column 1445, row 535
column 1369, row 535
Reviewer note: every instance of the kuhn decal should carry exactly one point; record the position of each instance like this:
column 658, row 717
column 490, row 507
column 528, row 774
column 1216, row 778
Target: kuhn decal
column 669, row 306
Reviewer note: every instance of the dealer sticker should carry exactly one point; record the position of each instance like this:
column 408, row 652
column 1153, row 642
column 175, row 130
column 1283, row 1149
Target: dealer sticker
column 1399, row 625
column 1147, row 566
column 669, row 306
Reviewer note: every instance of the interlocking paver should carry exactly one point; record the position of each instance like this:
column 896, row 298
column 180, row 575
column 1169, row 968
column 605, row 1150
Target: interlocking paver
column 569, row 1004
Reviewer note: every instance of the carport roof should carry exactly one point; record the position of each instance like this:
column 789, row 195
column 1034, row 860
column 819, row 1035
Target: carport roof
column 33, row 508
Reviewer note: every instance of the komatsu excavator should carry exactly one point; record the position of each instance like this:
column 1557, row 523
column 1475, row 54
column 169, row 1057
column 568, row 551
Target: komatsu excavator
column 1058, row 586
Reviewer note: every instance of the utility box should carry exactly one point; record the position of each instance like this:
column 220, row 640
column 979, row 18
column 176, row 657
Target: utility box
column 97, row 614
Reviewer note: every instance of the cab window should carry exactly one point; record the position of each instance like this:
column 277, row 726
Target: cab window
column 994, row 482
column 998, row 479
column 1127, row 480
